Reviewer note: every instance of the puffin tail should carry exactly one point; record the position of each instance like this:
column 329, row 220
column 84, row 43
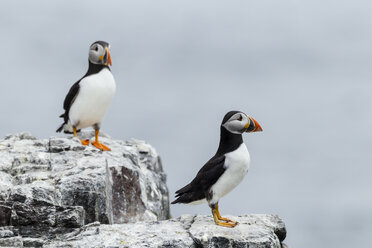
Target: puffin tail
column 185, row 198
column 183, row 194
column 176, row 201
column 60, row 128
column 66, row 128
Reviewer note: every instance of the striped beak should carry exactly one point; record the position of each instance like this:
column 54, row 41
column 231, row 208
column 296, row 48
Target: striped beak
column 252, row 126
column 107, row 57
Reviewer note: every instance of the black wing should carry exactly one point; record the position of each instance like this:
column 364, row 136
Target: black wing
column 69, row 100
column 206, row 177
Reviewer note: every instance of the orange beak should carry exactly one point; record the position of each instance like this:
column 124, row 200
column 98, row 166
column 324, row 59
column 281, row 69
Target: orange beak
column 108, row 57
column 257, row 127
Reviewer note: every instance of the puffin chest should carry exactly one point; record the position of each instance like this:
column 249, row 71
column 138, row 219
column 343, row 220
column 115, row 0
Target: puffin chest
column 95, row 95
column 236, row 167
column 98, row 87
column 237, row 162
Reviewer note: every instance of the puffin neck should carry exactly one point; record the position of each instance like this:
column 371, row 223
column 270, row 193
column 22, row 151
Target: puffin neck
column 228, row 141
column 95, row 68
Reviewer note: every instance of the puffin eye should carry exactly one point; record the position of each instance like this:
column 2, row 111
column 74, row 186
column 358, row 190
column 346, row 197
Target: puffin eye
column 96, row 48
column 240, row 118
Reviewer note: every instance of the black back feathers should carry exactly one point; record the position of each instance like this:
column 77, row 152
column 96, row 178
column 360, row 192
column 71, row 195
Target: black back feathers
column 204, row 180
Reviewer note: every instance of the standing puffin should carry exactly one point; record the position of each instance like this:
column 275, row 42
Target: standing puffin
column 225, row 170
column 88, row 99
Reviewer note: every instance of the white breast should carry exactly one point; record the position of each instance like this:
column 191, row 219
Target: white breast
column 236, row 165
column 95, row 95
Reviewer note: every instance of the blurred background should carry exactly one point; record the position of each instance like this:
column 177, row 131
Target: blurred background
column 302, row 69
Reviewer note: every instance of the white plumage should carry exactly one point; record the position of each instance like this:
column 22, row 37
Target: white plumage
column 237, row 165
column 95, row 95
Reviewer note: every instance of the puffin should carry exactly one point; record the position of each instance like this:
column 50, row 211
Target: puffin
column 225, row 170
column 89, row 98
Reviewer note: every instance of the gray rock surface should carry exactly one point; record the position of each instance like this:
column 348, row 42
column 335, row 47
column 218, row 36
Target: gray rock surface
column 49, row 186
column 254, row 231
column 57, row 193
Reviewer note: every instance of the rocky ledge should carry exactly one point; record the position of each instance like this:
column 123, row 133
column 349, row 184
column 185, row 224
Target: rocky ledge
column 51, row 186
column 57, row 193
column 253, row 231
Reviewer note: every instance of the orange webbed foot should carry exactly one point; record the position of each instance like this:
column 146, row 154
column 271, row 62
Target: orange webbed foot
column 100, row 146
column 221, row 221
column 226, row 224
column 85, row 142
column 227, row 220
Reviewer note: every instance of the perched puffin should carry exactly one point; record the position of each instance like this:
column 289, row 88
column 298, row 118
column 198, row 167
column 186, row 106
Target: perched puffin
column 225, row 170
column 88, row 99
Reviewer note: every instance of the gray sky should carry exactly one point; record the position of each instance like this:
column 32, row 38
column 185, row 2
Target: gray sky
column 302, row 69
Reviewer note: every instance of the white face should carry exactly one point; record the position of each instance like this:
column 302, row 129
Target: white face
column 237, row 123
column 98, row 54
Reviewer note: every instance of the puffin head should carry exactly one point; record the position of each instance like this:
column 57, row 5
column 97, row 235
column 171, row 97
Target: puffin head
column 99, row 53
column 238, row 122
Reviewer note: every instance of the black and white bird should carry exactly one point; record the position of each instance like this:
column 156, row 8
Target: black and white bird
column 225, row 170
column 88, row 99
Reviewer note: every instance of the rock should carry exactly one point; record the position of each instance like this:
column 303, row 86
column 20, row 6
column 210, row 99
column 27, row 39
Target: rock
column 55, row 185
column 6, row 233
column 57, row 193
column 253, row 231
column 33, row 242
column 11, row 242
column 70, row 216
column 5, row 214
